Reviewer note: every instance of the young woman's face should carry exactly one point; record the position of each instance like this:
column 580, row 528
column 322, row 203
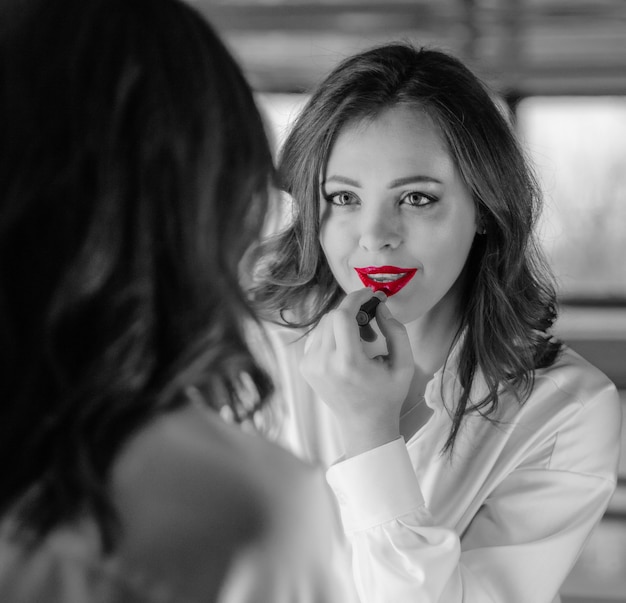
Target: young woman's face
column 395, row 214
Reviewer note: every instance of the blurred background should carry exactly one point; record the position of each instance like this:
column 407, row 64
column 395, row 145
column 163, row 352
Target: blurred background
column 560, row 67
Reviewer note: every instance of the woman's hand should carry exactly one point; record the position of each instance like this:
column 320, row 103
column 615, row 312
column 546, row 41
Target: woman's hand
column 365, row 394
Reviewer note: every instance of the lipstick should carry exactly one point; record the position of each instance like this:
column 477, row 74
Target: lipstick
column 367, row 311
column 388, row 279
column 364, row 316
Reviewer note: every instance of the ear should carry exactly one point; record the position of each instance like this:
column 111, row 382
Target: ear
column 481, row 229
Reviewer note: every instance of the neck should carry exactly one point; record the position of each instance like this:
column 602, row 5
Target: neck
column 431, row 337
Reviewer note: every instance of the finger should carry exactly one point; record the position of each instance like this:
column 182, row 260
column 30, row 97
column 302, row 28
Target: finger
column 353, row 305
column 347, row 331
column 313, row 346
column 347, row 336
column 329, row 344
column 354, row 300
column 367, row 311
column 398, row 344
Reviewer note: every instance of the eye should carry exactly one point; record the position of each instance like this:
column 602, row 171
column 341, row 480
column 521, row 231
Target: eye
column 417, row 199
column 342, row 198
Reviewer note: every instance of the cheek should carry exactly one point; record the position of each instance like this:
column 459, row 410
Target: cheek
column 325, row 228
column 335, row 258
column 329, row 247
column 457, row 251
column 444, row 250
column 335, row 244
column 335, row 240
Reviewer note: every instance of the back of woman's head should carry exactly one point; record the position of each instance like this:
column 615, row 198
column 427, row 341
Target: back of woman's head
column 508, row 297
column 134, row 173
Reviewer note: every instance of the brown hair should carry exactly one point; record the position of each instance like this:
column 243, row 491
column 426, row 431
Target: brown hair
column 509, row 301
column 134, row 174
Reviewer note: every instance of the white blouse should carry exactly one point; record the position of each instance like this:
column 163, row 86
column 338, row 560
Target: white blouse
column 502, row 520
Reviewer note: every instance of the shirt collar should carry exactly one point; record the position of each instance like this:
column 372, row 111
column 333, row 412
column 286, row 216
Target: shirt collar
column 444, row 390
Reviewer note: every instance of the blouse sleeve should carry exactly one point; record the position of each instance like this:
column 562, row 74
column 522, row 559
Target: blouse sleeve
column 518, row 548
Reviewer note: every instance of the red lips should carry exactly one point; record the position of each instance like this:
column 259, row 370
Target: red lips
column 389, row 288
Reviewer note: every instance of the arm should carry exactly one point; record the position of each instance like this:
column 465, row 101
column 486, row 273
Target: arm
column 364, row 394
column 524, row 531
column 519, row 546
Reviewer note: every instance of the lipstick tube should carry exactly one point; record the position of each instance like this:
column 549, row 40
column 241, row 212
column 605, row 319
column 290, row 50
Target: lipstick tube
column 367, row 311
column 364, row 316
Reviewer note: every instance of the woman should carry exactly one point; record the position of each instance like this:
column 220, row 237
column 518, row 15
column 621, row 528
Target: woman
column 134, row 174
column 473, row 452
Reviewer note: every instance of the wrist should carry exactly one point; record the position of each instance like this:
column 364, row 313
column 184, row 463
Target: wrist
column 360, row 439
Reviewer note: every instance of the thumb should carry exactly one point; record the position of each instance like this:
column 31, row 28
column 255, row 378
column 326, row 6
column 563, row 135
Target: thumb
column 393, row 331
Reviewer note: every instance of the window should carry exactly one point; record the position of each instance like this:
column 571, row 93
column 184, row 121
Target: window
column 578, row 147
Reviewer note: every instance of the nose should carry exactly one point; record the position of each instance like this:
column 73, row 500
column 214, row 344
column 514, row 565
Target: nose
column 379, row 229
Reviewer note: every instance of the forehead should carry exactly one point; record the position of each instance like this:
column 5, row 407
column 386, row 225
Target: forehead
column 401, row 136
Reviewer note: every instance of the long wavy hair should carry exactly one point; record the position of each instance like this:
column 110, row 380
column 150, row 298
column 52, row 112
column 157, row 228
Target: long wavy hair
column 508, row 302
column 134, row 174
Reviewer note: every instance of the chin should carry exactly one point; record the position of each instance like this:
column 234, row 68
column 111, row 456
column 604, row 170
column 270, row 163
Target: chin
column 403, row 314
column 405, row 310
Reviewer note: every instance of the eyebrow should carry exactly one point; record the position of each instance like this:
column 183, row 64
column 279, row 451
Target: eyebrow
column 410, row 179
column 393, row 184
column 342, row 180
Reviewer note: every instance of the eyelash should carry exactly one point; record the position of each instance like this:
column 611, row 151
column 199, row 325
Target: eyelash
column 429, row 198
column 331, row 198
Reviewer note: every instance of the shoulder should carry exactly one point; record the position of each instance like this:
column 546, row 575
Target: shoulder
column 575, row 405
column 193, row 492
column 193, row 456
column 573, row 386
column 581, row 380
column 201, row 504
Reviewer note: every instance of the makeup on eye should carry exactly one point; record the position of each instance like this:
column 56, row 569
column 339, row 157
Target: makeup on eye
column 422, row 199
column 410, row 198
column 431, row 195
column 341, row 198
